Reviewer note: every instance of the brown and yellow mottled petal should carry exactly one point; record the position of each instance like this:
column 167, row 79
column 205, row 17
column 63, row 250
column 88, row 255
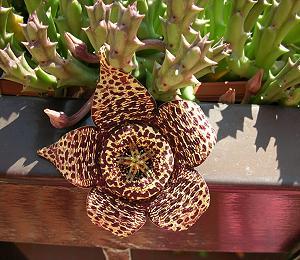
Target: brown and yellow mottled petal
column 180, row 205
column 115, row 173
column 119, row 97
column 119, row 217
column 75, row 156
column 188, row 131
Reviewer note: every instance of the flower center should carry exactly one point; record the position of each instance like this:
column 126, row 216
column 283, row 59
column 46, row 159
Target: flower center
column 136, row 162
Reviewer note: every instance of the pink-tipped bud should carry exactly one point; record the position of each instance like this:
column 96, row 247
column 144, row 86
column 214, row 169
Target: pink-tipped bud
column 61, row 120
column 57, row 119
column 228, row 97
column 253, row 86
column 79, row 49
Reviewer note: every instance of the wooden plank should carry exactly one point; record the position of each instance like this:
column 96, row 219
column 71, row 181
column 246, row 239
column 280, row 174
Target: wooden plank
column 253, row 175
column 237, row 220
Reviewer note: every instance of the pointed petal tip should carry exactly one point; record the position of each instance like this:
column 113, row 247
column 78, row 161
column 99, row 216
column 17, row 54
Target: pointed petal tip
column 47, row 153
column 40, row 152
column 135, row 103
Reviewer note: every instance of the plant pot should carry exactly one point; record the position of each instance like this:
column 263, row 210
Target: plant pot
column 212, row 91
column 8, row 87
column 11, row 88
column 253, row 176
column 206, row 91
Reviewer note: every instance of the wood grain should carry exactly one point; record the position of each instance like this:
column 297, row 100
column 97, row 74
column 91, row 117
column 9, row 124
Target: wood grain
column 247, row 220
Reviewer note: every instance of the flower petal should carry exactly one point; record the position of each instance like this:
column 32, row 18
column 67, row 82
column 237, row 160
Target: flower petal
column 180, row 205
column 188, row 131
column 119, row 97
column 160, row 163
column 75, row 156
column 117, row 216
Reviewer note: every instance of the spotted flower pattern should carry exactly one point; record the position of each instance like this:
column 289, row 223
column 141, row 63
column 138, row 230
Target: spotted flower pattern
column 138, row 159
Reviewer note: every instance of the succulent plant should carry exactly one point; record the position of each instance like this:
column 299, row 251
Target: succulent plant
column 177, row 72
column 170, row 46
column 270, row 31
column 122, row 38
column 179, row 17
column 10, row 29
column 97, row 29
column 282, row 87
column 68, row 71
column 17, row 69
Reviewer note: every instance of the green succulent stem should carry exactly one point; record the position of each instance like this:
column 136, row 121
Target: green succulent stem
column 10, row 29
column 181, row 14
column 274, row 25
column 293, row 36
column 217, row 23
column 276, row 86
column 97, row 30
column 72, row 18
column 5, row 36
column 236, row 36
column 122, row 38
column 32, row 5
column 178, row 71
column 254, row 14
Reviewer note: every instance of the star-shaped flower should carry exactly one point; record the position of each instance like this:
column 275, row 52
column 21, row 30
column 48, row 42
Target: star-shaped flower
column 138, row 159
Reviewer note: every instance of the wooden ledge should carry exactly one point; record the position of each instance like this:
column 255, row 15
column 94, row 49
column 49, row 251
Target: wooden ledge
column 253, row 175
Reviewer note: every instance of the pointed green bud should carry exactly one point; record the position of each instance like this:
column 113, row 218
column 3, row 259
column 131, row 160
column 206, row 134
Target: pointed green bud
column 168, row 62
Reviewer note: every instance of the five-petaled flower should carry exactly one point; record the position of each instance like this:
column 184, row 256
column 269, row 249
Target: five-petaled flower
column 138, row 159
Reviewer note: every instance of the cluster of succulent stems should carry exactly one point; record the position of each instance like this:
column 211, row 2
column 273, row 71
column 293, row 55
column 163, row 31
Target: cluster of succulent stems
column 170, row 46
